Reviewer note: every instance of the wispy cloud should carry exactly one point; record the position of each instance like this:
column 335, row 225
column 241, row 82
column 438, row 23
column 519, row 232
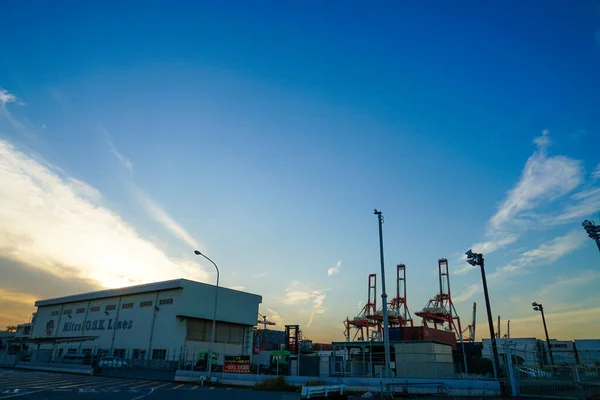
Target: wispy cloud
column 160, row 215
column 547, row 252
column 596, row 172
column 237, row 287
column 469, row 292
column 123, row 160
column 554, row 249
column 543, row 180
column 563, row 283
column 155, row 211
column 298, row 294
column 276, row 317
column 57, row 224
column 336, row 269
column 6, row 97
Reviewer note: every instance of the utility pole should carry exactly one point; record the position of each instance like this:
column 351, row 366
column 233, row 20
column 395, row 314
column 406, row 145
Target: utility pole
column 477, row 259
column 386, row 327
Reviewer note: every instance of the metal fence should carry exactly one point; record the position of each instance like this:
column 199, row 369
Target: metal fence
column 572, row 376
column 408, row 364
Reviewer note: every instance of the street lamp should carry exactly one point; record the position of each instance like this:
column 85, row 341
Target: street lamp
column 539, row 307
column 592, row 230
column 386, row 327
column 212, row 334
column 477, row 259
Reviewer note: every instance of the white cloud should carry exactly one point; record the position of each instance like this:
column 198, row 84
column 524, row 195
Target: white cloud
column 543, row 180
column 124, row 161
column 336, row 269
column 298, row 294
column 161, row 216
column 469, row 292
column 57, row 224
column 596, row 172
column 6, row 97
column 547, row 252
column 276, row 317
column 237, row 287
column 569, row 282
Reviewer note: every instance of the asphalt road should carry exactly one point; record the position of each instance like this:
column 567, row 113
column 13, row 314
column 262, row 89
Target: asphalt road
column 52, row 386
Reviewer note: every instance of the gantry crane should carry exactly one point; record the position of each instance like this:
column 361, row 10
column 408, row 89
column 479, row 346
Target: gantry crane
column 440, row 309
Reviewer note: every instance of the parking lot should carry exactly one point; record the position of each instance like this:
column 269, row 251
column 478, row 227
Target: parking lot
column 44, row 385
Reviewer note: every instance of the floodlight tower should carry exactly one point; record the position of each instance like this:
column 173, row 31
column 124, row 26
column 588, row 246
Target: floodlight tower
column 592, row 230
column 477, row 259
column 539, row 307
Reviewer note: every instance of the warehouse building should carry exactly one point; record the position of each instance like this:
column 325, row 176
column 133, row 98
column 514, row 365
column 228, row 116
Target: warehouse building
column 168, row 320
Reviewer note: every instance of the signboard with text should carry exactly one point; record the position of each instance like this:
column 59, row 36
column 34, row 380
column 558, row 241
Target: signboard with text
column 237, row 364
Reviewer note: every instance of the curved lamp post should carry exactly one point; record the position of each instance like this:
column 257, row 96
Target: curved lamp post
column 212, row 334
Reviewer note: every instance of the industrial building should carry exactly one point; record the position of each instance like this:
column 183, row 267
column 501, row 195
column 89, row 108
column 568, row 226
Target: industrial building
column 167, row 320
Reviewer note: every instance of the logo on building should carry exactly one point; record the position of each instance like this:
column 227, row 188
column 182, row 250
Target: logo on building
column 49, row 327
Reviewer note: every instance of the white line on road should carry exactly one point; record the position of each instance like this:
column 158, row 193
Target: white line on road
column 24, row 394
column 137, row 398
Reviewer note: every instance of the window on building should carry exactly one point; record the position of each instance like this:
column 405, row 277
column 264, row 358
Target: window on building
column 110, row 307
column 67, row 312
column 200, row 330
column 60, row 352
column 95, row 309
column 164, row 302
column 102, row 352
column 159, row 354
column 139, row 354
column 71, row 350
column 54, row 313
column 146, row 304
column 119, row 353
column 127, row 305
column 86, row 350
column 80, row 310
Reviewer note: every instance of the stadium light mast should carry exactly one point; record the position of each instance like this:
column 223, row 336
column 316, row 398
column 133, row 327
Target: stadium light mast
column 477, row 259
column 592, row 230
column 386, row 327
column 539, row 307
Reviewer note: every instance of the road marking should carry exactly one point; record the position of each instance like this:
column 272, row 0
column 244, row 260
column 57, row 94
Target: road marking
column 23, row 394
column 144, row 395
column 164, row 384
column 145, row 384
column 195, row 387
column 129, row 383
column 51, row 383
column 176, row 387
column 211, row 388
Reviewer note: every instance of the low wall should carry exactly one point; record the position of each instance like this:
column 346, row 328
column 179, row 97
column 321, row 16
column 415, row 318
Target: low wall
column 456, row 387
column 48, row 367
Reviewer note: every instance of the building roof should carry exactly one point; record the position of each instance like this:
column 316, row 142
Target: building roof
column 102, row 294
column 173, row 284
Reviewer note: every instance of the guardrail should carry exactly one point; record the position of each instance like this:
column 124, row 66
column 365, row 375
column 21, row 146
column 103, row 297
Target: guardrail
column 311, row 392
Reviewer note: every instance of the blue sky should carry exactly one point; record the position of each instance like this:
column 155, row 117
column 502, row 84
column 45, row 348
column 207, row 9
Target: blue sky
column 265, row 135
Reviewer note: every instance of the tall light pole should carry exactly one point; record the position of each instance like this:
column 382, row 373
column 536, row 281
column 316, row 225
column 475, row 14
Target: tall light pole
column 592, row 230
column 386, row 327
column 212, row 333
column 540, row 308
column 477, row 259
